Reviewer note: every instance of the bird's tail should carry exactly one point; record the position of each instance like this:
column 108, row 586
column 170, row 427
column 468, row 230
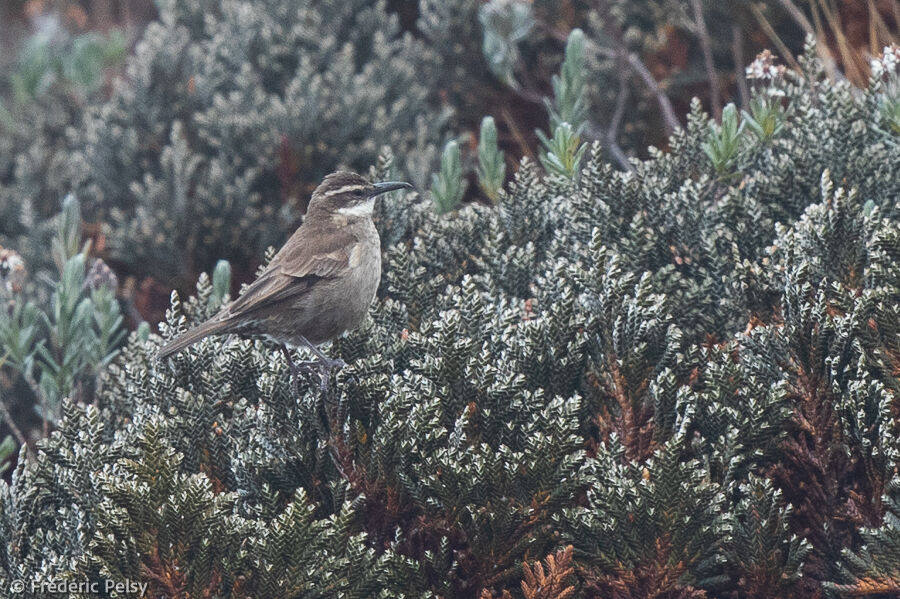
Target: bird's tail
column 210, row 327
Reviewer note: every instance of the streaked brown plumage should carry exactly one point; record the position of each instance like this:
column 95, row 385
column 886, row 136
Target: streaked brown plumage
column 321, row 283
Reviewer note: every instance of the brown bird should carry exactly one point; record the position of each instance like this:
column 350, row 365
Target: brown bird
column 319, row 285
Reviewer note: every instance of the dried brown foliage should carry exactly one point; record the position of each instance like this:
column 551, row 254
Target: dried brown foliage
column 829, row 479
column 552, row 584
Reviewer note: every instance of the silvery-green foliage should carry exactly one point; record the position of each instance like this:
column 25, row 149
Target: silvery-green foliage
column 764, row 554
column 44, row 92
column 563, row 152
column 221, row 282
column 455, row 36
column 33, row 174
column 59, row 349
column 7, row 450
column 765, row 118
column 885, row 85
column 491, row 170
column 569, row 103
column 474, row 80
column 613, row 361
column 53, row 57
column 505, row 24
column 230, row 113
column 448, row 185
column 723, row 141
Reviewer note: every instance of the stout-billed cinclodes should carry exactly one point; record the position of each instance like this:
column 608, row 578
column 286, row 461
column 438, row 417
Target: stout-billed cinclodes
column 322, row 281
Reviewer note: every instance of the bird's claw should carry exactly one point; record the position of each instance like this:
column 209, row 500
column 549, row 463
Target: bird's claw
column 326, row 366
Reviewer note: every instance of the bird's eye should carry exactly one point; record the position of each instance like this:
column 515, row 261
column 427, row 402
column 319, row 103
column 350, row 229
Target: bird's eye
column 359, row 193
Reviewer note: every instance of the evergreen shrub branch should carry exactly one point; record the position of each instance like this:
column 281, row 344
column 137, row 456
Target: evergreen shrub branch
column 687, row 375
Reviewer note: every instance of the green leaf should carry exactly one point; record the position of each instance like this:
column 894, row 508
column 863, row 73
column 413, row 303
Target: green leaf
column 448, row 186
column 491, row 169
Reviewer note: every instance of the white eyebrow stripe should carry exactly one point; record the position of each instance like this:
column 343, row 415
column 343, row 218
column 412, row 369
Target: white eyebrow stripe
column 345, row 189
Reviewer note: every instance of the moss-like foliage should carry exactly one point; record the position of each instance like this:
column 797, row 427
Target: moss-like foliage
column 689, row 376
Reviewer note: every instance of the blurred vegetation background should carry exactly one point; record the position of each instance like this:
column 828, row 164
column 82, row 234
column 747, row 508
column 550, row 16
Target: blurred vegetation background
column 649, row 276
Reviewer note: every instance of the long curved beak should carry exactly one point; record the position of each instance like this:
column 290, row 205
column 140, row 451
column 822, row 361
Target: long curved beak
column 387, row 186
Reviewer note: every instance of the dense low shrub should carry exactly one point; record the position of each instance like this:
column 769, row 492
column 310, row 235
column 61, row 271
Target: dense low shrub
column 43, row 95
column 227, row 115
column 687, row 373
column 56, row 344
column 231, row 112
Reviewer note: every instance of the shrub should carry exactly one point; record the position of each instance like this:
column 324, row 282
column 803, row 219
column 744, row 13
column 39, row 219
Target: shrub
column 58, row 347
column 42, row 96
column 655, row 367
column 232, row 112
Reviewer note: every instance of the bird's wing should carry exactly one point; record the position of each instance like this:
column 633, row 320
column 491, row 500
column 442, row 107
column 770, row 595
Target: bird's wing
column 306, row 258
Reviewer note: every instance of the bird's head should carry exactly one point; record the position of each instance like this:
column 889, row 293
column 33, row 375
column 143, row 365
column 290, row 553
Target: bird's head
column 349, row 194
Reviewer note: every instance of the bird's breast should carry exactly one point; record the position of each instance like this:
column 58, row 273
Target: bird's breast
column 365, row 266
column 340, row 304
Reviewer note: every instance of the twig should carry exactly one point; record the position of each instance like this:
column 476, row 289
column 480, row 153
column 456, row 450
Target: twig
column 737, row 52
column 612, row 132
column 798, row 16
column 42, row 401
column 621, row 102
column 17, row 433
column 896, row 7
column 810, row 29
column 516, row 133
column 874, row 20
column 851, row 66
column 715, row 95
column 881, row 34
column 621, row 51
column 665, row 105
column 610, row 136
column 529, row 89
column 640, row 69
column 773, row 36
column 552, row 31
column 831, row 67
column 529, row 95
column 132, row 310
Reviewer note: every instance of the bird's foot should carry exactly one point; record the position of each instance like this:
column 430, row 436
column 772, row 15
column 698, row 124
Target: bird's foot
column 322, row 366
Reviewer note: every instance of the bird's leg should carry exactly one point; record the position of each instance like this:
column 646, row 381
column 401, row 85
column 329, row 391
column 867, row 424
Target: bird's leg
column 324, row 365
column 295, row 370
column 323, row 362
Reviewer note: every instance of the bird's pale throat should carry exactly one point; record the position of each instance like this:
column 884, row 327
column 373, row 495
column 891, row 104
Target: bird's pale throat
column 361, row 209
